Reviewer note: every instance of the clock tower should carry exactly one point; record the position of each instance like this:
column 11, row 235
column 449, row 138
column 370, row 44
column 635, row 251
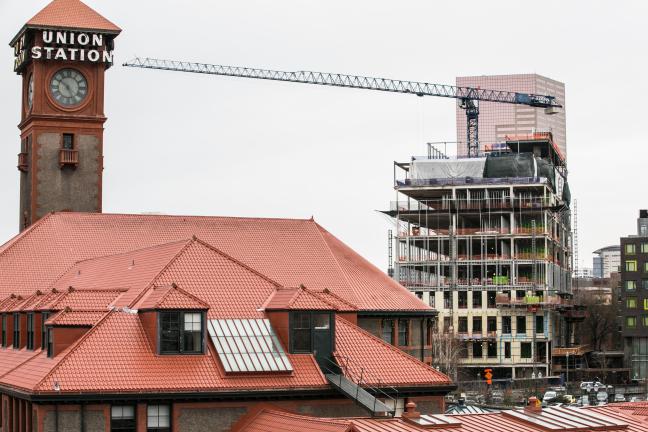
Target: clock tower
column 62, row 54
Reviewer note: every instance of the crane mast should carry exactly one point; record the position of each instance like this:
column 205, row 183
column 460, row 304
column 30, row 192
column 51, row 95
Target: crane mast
column 468, row 97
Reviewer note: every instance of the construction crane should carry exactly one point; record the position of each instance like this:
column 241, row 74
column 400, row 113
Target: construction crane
column 468, row 97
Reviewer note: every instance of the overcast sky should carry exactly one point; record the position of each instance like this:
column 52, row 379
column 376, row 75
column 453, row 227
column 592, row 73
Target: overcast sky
column 205, row 145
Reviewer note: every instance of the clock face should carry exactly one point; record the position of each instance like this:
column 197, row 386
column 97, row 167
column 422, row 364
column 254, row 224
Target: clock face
column 69, row 87
column 30, row 91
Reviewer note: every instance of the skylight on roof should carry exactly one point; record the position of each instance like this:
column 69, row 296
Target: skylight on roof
column 248, row 345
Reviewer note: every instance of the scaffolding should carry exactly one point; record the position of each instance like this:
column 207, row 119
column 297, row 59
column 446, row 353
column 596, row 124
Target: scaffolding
column 509, row 238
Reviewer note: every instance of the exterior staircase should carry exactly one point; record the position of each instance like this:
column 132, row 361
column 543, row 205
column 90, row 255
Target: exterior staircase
column 361, row 396
column 353, row 383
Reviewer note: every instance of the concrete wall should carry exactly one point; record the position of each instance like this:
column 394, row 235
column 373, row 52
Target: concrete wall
column 67, row 188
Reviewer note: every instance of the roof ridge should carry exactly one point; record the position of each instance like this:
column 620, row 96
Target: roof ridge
column 337, row 263
column 390, row 346
column 184, row 292
column 183, row 216
column 128, row 252
column 139, row 296
column 365, row 261
column 236, row 261
column 332, row 294
column 74, row 347
column 315, row 294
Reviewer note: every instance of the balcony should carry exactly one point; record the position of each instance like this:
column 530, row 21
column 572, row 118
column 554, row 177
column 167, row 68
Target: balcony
column 23, row 162
column 68, row 157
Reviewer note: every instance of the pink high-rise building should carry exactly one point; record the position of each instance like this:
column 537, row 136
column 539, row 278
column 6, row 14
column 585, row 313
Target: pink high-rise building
column 497, row 120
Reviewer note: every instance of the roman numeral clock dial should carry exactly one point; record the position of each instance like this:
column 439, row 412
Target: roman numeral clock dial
column 69, row 87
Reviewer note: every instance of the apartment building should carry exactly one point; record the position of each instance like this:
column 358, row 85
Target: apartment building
column 486, row 241
column 633, row 298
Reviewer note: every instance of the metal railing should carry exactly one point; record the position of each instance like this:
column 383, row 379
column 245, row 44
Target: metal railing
column 362, row 379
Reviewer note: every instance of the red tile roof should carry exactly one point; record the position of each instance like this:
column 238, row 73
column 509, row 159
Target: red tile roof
column 85, row 300
column 290, row 252
column 115, row 356
column 380, row 360
column 68, row 318
column 71, row 14
column 297, row 299
column 270, row 420
column 170, row 297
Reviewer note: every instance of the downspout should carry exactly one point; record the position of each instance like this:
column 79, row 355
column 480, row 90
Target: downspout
column 56, row 418
column 423, row 320
column 82, row 418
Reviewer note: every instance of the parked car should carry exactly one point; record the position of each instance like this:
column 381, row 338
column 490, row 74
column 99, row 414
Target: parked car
column 619, row 398
column 592, row 385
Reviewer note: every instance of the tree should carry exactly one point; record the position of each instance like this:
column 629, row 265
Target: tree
column 600, row 324
column 446, row 352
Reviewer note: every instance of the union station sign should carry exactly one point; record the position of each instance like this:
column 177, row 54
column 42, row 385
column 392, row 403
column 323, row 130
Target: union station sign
column 63, row 46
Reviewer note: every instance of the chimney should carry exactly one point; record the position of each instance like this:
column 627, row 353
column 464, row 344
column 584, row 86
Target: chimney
column 410, row 411
column 534, row 406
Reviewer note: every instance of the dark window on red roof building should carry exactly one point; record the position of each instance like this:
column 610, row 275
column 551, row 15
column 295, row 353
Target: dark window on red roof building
column 158, row 418
column 43, row 329
column 300, row 330
column 16, row 330
column 4, row 330
column 388, row 331
column 30, row 331
column 50, row 342
column 403, row 332
column 122, row 418
column 181, row 332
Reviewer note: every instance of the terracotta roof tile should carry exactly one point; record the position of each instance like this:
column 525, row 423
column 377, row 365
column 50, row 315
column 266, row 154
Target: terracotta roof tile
column 129, row 365
column 133, row 270
column 290, row 252
column 76, row 318
column 170, row 297
column 380, row 360
column 297, row 299
column 85, row 300
column 268, row 420
column 12, row 303
column 71, row 14
column 373, row 289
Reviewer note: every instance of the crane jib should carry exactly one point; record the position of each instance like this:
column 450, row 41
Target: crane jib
column 468, row 96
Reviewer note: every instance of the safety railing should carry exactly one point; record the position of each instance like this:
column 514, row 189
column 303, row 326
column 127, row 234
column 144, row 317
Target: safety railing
column 364, row 380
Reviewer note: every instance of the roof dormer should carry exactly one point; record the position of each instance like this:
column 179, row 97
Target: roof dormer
column 174, row 320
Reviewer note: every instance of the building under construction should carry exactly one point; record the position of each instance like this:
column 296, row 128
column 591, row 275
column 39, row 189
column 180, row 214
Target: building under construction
column 487, row 242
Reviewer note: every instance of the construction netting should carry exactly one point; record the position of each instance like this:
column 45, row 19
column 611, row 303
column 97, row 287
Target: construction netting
column 505, row 165
column 446, row 168
column 496, row 165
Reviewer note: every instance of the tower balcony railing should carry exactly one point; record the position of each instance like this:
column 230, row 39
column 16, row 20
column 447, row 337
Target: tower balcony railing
column 68, row 157
column 23, row 161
